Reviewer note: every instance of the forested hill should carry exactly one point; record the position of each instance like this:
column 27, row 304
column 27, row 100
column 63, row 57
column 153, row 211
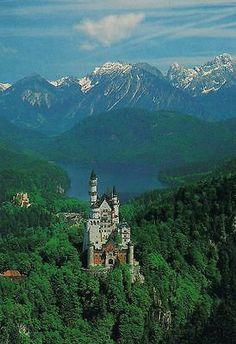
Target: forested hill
column 186, row 244
column 20, row 172
column 141, row 136
column 20, row 138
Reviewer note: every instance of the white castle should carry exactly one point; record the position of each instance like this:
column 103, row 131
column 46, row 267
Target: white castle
column 106, row 238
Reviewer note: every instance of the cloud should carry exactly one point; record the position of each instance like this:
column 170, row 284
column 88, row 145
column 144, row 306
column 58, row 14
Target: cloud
column 61, row 6
column 110, row 29
column 165, row 27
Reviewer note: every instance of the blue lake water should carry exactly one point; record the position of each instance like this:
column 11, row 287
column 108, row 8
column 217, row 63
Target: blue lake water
column 130, row 180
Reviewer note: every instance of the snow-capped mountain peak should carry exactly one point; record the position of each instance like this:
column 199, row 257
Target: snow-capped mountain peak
column 209, row 77
column 223, row 59
column 112, row 67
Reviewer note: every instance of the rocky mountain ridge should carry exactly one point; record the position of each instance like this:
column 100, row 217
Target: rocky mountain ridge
column 205, row 79
column 34, row 102
column 55, row 106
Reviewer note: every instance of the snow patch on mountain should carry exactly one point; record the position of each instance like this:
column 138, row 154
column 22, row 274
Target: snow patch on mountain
column 86, row 84
column 36, row 98
column 4, row 87
column 56, row 83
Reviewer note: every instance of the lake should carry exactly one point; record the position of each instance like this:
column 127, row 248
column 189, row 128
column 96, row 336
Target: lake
column 129, row 180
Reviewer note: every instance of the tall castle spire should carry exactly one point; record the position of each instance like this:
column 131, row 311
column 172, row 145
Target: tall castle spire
column 93, row 188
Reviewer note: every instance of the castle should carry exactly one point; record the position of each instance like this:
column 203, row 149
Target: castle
column 22, row 199
column 106, row 238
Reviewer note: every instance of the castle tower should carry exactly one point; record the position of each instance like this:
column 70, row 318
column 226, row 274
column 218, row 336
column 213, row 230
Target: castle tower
column 116, row 205
column 93, row 188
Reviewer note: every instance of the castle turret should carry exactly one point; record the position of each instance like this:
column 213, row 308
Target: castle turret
column 93, row 188
column 114, row 194
column 116, row 205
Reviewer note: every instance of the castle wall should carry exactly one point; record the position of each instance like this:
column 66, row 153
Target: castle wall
column 101, row 257
column 94, row 234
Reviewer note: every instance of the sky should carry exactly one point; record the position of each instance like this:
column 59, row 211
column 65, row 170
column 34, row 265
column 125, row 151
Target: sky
column 55, row 38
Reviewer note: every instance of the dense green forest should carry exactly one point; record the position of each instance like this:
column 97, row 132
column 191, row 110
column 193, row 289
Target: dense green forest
column 185, row 242
column 191, row 172
column 20, row 138
column 20, row 172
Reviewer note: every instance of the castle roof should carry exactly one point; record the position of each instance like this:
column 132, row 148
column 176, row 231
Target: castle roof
column 100, row 200
column 93, row 175
column 114, row 191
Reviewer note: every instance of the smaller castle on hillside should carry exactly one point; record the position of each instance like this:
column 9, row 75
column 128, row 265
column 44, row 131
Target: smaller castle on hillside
column 106, row 238
column 22, row 199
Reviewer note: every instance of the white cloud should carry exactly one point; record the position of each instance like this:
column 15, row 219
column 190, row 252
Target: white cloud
column 110, row 29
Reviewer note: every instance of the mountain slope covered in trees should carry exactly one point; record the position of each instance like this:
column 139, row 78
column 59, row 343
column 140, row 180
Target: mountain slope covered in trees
column 20, row 172
column 186, row 244
column 19, row 138
column 141, row 136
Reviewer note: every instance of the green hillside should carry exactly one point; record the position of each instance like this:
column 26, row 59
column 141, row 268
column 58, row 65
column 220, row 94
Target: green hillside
column 185, row 242
column 19, row 138
column 163, row 138
column 20, row 172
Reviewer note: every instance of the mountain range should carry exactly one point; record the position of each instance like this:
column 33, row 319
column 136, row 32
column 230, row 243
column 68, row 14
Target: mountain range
column 52, row 107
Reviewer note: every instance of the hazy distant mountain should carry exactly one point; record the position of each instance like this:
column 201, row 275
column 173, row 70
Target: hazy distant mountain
column 35, row 103
column 19, row 138
column 220, row 105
